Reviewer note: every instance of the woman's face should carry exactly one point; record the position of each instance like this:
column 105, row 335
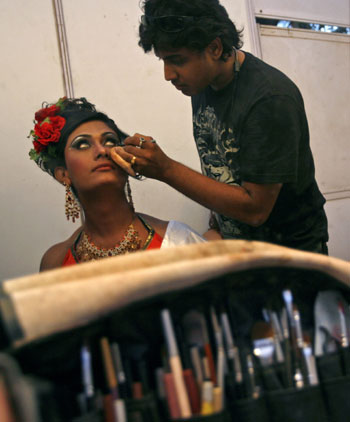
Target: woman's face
column 87, row 155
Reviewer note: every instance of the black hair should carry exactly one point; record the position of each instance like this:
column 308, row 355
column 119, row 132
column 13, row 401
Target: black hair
column 214, row 22
column 75, row 111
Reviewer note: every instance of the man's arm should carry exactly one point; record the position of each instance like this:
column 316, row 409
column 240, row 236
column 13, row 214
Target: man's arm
column 250, row 203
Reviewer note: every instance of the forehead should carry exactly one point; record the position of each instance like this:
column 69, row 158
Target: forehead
column 176, row 52
column 92, row 127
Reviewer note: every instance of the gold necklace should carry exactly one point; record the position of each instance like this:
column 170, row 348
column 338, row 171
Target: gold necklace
column 88, row 251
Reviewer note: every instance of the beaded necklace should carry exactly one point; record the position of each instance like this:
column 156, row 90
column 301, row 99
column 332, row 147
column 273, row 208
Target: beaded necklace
column 88, row 251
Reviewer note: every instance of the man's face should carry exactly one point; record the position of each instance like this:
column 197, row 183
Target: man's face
column 189, row 71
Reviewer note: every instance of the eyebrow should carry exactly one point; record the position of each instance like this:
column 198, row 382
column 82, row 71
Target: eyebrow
column 171, row 56
column 87, row 135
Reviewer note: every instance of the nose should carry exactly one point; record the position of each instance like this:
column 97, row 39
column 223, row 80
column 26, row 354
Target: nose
column 101, row 151
column 169, row 73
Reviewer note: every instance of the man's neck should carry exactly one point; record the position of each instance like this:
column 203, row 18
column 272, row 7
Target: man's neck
column 226, row 73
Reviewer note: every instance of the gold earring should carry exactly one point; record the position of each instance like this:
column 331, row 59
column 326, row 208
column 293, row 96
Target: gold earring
column 128, row 194
column 72, row 208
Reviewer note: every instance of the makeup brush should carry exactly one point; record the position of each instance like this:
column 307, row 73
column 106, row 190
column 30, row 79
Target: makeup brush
column 278, row 336
column 262, row 337
column 119, row 369
column 344, row 338
column 254, row 389
column 264, row 350
column 175, row 364
column 196, row 333
column 288, row 371
column 294, row 319
column 310, row 362
column 87, row 376
column 188, row 375
column 300, row 344
column 219, row 390
column 197, row 365
column 234, row 360
column 220, row 353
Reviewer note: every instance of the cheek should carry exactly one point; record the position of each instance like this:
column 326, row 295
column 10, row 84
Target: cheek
column 75, row 166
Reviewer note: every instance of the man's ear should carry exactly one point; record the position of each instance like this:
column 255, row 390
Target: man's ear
column 215, row 48
column 61, row 175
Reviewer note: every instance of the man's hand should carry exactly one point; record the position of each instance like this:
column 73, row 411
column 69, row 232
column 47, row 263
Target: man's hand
column 141, row 154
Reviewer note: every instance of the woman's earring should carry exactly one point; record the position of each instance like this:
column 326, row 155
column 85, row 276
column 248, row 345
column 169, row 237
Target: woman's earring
column 128, row 195
column 72, row 208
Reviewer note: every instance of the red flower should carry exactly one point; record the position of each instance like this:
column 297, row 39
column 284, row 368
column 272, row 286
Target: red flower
column 49, row 130
column 46, row 112
column 57, row 122
column 38, row 146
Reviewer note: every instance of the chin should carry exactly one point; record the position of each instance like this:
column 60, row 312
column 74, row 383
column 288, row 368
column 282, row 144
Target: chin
column 188, row 92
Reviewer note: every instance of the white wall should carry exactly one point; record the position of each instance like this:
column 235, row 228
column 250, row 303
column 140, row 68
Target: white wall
column 30, row 73
column 109, row 69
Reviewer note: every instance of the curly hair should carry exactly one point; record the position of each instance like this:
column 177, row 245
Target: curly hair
column 75, row 111
column 213, row 22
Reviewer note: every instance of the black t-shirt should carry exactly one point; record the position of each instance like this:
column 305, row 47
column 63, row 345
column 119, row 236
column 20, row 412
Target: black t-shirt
column 255, row 130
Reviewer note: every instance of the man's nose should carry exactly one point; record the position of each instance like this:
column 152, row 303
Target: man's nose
column 169, row 73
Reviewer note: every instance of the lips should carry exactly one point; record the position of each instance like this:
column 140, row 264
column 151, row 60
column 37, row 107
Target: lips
column 103, row 167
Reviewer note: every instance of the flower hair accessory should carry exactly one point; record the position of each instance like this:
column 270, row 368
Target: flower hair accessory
column 47, row 131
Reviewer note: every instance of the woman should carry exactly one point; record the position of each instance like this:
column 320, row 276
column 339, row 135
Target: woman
column 73, row 143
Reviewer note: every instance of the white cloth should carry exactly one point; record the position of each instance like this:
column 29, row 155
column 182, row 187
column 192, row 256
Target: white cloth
column 180, row 234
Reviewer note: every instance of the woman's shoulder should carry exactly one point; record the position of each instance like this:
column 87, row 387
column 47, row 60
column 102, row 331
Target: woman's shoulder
column 55, row 255
column 160, row 226
column 173, row 232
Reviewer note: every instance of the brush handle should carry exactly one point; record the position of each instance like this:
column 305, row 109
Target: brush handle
column 209, row 354
column 180, row 387
column 192, row 391
column 288, row 372
column 270, row 378
column 171, row 396
column 345, row 354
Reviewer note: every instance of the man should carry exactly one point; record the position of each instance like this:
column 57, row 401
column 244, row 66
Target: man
column 249, row 125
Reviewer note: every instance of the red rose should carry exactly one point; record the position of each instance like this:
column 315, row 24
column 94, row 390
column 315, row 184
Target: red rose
column 46, row 112
column 46, row 133
column 38, row 146
column 57, row 122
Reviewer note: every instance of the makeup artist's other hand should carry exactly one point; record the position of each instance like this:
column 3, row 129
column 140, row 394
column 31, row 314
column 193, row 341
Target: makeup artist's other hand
column 146, row 157
column 116, row 155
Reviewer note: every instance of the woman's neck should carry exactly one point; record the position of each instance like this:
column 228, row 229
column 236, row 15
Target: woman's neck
column 106, row 216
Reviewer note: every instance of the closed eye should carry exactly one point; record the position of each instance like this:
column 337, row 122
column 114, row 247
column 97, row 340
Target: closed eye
column 80, row 143
column 112, row 141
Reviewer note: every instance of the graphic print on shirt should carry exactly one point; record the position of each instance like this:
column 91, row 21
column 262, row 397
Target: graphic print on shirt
column 217, row 148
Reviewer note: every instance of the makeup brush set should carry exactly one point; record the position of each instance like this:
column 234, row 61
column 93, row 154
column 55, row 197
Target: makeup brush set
column 255, row 343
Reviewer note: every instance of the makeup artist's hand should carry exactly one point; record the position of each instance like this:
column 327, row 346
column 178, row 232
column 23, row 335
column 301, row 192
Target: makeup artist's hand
column 143, row 155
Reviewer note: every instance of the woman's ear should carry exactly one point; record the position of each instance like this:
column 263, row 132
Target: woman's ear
column 61, row 175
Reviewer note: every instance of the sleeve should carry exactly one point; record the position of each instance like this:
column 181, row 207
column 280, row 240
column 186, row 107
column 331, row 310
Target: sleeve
column 269, row 141
column 180, row 234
